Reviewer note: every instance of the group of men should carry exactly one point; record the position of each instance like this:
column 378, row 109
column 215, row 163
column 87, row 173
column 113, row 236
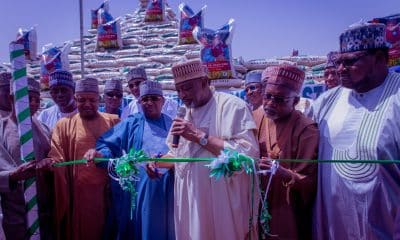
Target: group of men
column 354, row 121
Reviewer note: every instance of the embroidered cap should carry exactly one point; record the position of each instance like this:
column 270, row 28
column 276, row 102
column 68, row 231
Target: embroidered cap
column 150, row 88
column 267, row 73
column 61, row 77
column 188, row 70
column 287, row 76
column 363, row 36
column 87, row 85
column 136, row 73
column 253, row 77
column 114, row 84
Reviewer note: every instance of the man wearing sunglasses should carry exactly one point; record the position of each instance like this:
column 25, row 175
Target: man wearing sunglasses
column 253, row 89
column 285, row 133
column 113, row 94
column 136, row 76
column 330, row 74
column 62, row 88
column 359, row 121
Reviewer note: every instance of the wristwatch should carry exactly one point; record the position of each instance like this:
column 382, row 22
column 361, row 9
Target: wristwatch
column 203, row 141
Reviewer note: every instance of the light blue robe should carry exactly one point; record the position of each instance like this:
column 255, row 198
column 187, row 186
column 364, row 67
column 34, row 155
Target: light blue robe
column 358, row 201
column 153, row 216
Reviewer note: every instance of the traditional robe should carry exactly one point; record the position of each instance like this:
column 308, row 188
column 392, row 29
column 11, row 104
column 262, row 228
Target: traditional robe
column 169, row 108
column 12, row 194
column 51, row 115
column 295, row 137
column 358, row 201
column 153, row 217
column 81, row 190
column 206, row 208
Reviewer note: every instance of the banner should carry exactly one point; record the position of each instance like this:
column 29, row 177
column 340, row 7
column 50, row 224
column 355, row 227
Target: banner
column 312, row 91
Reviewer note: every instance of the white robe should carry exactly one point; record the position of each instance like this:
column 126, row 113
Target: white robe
column 51, row 115
column 358, row 201
column 206, row 208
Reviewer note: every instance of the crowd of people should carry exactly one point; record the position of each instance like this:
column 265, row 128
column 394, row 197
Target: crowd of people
column 353, row 121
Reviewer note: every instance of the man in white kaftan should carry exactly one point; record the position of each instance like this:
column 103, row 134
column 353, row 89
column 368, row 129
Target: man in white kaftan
column 62, row 89
column 206, row 208
column 359, row 121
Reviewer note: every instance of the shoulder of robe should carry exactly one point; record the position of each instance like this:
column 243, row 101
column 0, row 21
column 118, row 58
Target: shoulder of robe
column 109, row 116
column 258, row 115
column 64, row 121
column 132, row 120
column 230, row 102
column 304, row 124
column 135, row 116
column 320, row 104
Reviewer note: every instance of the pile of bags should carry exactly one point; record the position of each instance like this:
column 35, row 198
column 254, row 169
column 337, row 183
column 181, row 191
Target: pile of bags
column 154, row 38
column 151, row 37
column 392, row 23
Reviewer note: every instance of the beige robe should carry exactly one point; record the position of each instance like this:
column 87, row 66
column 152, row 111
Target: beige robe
column 206, row 208
column 81, row 191
column 295, row 137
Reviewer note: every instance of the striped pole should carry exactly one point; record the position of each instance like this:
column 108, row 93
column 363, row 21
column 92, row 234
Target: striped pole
column 81, row 38
column 21, row 99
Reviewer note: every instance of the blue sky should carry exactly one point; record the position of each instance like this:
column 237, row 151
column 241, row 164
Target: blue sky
column 263, row 28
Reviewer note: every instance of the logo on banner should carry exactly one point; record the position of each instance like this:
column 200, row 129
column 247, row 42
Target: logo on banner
column 312, row 91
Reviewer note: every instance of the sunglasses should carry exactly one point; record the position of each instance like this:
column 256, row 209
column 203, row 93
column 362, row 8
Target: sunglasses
column 251, row 88
column 134, row 84
column 276, row 99
column 349, row 61
column 150, row 98
column 111, row 95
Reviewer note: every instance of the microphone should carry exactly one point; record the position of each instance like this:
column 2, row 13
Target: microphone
column 180, row 114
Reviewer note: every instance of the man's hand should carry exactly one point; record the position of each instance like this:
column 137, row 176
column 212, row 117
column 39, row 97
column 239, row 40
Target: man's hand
column 265, row 163
column 185, row 129
column 152, row 172
column 45, row 164
column 23, row 171
column 91, row 154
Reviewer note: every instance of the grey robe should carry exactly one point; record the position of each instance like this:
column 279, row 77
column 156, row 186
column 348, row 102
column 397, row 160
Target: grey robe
column 12, row 197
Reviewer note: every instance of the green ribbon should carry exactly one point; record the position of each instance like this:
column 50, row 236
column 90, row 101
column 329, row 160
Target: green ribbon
column 173, row 160
column 81, row 161
column 375, row 161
